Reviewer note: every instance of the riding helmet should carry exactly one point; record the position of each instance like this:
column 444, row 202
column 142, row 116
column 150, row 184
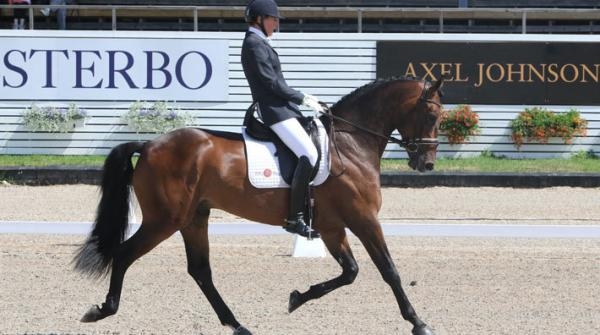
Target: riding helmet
column 258, row 8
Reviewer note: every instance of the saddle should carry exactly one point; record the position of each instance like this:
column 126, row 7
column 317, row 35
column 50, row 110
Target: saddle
column 257, row 130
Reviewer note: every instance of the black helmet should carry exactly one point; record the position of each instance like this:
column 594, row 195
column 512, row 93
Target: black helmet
column 258, row 8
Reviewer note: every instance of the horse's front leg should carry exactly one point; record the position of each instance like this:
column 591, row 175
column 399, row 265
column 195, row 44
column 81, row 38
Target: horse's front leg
column 338, row 246
column 372, row 238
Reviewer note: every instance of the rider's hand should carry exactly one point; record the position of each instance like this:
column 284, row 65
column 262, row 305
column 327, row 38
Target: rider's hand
column 312, row 102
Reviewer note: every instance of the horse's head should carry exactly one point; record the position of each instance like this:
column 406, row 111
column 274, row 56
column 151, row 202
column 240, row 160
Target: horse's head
column 408, row 105
column 420, row 133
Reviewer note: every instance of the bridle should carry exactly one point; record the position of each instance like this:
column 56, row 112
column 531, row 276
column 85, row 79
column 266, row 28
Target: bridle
column 410, row 144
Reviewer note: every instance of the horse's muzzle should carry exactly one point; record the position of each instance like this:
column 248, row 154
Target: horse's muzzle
column 412, row 163
column 421, row 163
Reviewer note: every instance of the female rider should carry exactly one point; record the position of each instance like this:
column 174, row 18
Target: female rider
column 278, row 104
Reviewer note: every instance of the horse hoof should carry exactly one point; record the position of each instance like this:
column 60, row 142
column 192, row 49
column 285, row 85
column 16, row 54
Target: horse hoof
column 93, row 315
column 422, row 330
column 241, row 331
column 294, row 301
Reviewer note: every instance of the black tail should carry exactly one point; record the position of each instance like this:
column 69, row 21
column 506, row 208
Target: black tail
column 95, row 256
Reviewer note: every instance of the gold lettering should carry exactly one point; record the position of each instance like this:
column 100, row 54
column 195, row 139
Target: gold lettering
column 552, row 72
column 457, row 77
column 429, row 75
column 410, row 70
column 520, row 72
column 541, row 76
column 585, row 69
column 563, row 73
column 509, row 72
column 501, row 72
column 445, row 68
column 480, row 71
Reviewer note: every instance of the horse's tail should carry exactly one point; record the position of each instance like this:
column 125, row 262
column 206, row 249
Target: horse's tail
column 95, row 256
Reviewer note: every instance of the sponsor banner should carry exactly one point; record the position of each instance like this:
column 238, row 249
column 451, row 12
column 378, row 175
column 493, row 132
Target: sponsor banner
column 532, row 73
column 114, row 69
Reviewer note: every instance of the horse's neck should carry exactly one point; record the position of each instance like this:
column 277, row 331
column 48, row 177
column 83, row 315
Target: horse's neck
column 386, row 107
column 354, row 140
column 350, row 148
column 376, row 120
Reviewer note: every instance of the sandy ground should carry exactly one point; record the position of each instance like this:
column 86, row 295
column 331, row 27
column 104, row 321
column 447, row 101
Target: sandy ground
column 462, row 285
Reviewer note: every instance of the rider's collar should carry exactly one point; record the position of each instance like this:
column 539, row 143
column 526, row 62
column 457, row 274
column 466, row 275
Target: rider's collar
column 259, row 33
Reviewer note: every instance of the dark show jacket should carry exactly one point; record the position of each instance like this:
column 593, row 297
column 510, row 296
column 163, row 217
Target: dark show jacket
column 277, row 101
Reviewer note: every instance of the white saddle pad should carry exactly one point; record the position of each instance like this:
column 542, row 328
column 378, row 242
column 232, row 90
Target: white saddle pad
column 263, row 166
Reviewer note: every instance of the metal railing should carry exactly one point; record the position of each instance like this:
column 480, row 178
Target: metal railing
column 357, row 13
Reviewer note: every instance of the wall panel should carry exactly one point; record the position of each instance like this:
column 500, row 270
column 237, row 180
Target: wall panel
column 326, row 65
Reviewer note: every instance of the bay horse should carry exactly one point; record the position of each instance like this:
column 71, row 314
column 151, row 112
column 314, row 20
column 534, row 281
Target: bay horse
column 181, row 175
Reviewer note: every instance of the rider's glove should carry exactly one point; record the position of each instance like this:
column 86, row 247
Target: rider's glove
column 312, row 102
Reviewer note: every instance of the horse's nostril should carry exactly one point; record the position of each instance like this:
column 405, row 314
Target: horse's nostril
column 428, row 166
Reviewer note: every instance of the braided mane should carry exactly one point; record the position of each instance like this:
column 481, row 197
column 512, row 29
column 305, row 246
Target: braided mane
column 367, row 88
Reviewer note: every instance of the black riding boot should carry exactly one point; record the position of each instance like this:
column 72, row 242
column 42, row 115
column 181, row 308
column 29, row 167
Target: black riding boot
column 298, row 188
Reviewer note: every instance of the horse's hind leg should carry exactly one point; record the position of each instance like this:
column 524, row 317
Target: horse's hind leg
column 144, row 240
column 195, row 236
column 337, row 244
column 372, row 238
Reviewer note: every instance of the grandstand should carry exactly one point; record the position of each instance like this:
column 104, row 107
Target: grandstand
column 373, row 16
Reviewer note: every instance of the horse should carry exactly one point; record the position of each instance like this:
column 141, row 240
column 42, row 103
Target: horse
column 180, row 176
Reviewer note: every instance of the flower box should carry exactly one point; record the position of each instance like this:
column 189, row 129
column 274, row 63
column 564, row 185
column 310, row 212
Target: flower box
column 54, row 119
column 539, row 125
column 459, row 124
column 157, row 117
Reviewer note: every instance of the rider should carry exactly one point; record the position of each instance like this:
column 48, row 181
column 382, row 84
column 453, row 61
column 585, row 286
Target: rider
column 278, row 104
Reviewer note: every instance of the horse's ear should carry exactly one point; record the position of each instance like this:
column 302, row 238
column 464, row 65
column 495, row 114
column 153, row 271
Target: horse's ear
column 438, row 84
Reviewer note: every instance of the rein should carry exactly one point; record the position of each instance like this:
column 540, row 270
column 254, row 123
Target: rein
column 411, row 145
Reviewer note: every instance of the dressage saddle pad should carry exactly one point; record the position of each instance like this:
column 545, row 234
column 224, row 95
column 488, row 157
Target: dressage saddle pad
column 263, row 164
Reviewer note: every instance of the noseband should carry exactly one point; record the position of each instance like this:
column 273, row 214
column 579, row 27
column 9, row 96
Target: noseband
column 411, row 145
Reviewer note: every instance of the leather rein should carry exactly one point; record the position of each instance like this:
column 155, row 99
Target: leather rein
column 410, row 144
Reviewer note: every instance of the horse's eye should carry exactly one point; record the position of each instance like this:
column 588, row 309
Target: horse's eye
column 431, row 118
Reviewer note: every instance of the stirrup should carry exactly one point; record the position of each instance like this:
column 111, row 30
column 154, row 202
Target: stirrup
column 298, row 226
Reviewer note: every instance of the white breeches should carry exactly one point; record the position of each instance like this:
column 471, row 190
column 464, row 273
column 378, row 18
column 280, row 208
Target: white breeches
column 293, row 135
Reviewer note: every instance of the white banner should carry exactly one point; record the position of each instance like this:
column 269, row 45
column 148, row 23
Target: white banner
column 113, row 69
